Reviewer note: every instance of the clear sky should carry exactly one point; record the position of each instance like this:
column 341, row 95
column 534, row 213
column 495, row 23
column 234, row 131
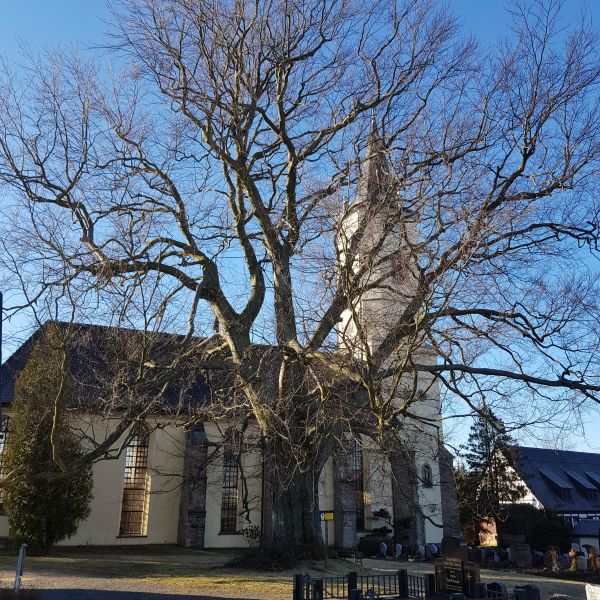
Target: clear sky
column 39, row 24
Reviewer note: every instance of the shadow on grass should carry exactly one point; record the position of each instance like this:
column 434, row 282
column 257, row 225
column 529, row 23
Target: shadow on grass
column 114, row 562
column 75, row 594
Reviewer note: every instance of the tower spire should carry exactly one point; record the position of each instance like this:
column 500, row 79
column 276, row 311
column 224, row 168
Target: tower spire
column 375, row 178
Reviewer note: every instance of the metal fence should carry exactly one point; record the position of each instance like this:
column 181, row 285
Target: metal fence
column 353, row 586
column 399, row 585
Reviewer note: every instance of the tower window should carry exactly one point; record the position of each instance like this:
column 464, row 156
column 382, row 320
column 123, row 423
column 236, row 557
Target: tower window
column 136, row 486
column 427, row 477
column 359, row 484
column 229, row 495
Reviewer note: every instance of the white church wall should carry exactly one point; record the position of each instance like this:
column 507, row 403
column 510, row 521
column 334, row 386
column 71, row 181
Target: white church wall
column 252, row 472
column 430, row 500
column 326, row 501
column 378, row 486
column 326, row 488
column 165, row 464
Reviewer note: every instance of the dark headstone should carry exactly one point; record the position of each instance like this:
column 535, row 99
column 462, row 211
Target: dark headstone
column 455, row 547
column 520, row 554
column 452, row 575
column 497, row 591
column 532, row 591
column 474, row 555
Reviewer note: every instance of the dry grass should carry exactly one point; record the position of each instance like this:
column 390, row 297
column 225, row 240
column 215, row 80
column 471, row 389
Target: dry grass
column 168, row 569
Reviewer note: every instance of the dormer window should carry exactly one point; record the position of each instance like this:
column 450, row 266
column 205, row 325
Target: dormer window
column 565, row 493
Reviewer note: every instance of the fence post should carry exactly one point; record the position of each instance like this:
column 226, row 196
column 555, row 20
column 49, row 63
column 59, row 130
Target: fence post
column 317, row 589
column 402, row 583
column 298, row 585
column 356, row 595
column 352, row 578
column 430, row 584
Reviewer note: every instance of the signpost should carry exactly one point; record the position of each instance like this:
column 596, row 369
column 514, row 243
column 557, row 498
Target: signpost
column 20, row 565
column 326, row 516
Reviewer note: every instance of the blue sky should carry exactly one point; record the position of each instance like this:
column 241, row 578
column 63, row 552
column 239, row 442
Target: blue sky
column 39, row 24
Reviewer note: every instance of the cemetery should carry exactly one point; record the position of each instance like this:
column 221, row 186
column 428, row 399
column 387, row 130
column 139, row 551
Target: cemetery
column 456, row 574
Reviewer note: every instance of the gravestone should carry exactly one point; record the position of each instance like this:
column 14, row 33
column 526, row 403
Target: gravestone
column 398, row 550
column 582, row 563
column 564, row 561
column 520, row 554
column 453, row 572
column 474, row 555
column 497, row 591
column 455, row 547
column 592, row 592
column 529, row 591
column 576, row 547
column 548, row 560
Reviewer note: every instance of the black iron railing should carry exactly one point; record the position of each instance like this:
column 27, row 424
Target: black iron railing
column 354, row 586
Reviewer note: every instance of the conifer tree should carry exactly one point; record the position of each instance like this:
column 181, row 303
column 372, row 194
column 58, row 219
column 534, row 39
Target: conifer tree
column 488, row 482
column 46, row 501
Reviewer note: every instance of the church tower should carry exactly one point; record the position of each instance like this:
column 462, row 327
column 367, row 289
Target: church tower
column 378, row 239
column 376, row 236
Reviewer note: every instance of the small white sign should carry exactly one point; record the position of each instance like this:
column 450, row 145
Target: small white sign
column 592, row 592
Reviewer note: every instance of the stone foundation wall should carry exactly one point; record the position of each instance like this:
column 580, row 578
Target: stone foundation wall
column 192, row 509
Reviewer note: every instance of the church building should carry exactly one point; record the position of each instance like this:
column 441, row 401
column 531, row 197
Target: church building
column 203, row 488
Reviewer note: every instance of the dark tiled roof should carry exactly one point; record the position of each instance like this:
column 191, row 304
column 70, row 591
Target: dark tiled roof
column 548, row 473
column 102, row 363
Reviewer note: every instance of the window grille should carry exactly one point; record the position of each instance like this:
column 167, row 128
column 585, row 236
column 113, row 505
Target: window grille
column 136, row 487
column 229, row 497
column 4, row 432
column 359, row 484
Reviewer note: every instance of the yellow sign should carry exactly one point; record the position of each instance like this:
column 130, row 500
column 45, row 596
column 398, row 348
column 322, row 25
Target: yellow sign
column 326, row 516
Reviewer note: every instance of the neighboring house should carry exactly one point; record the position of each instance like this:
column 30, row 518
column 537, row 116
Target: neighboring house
column 587, row 532
column 565, row 482
column 176, row 484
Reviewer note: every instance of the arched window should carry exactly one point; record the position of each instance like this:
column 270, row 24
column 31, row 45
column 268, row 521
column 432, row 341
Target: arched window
column 427, row 478
column 4, row 432
column 359, row 483
column 136, row 486
column 229, row 489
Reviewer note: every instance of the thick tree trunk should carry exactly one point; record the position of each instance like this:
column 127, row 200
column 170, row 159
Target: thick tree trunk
column 291, row 520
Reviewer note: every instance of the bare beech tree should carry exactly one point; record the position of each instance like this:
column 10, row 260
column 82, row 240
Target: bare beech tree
column 358, row 197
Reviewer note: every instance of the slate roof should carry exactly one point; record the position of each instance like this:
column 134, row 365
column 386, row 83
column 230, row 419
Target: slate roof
column 98, row 355
column 564, row 481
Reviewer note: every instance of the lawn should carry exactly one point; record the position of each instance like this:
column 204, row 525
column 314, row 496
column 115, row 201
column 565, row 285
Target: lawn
column 165, row 569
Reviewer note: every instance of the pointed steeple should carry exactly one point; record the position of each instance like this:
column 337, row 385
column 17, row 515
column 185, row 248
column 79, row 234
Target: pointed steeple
column 375, row 179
